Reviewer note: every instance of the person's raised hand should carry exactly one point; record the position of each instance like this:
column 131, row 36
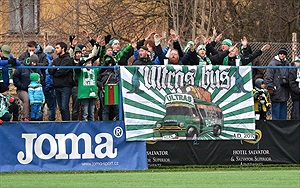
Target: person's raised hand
column 265, row 47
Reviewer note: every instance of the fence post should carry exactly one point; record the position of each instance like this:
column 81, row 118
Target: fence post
column 294, row 46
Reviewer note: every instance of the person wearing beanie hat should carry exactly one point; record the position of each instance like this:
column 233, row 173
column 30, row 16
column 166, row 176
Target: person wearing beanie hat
column 87, row 89
column 226, row 44
column 201, row 47
column 152, row 42
column 81, row 46
column 294, row 83
column 21, row 80
column 33, row 59
column 115, row 44
column 83, row 50
column 203, row 59
column 36, row 97
column 113, row 41
column 144, row 57
column 34, row 77
column 5, row 49
column 277, row 83
column 144, row 48
column 262, row 102
column 77, row 49
column 283, row 51
column 7, row 60
column 77, row 60
column 77, row 55
column 32, row 48
column 41, row 60
column 187, row 47
column 49, row 92
column 49, row 49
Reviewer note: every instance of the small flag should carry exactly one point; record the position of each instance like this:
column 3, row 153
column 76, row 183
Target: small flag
column 111, row 94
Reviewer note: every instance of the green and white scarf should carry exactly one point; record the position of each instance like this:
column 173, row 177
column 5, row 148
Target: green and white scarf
column 237, row 60
column 204, row 61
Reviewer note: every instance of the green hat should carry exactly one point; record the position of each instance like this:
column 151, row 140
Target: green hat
column 34, row 77
column 6, row 50
column 109, row 59
column 201, row 47
column 297, row 59
column 77, row 49
column 187, row 47
column 112, row 42
column 227, row 42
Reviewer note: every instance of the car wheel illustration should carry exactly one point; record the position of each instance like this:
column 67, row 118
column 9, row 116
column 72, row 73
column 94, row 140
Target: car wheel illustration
column 217, row 130
column 191, row 132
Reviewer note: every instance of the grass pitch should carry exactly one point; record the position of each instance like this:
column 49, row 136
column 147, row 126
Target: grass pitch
column 208, row 176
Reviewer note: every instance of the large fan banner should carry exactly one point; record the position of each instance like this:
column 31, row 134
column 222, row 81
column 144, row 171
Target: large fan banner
column 177, row 102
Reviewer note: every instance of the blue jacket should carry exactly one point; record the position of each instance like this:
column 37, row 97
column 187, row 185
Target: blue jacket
column 49, row 78
column 6, row 73
column 35, row 93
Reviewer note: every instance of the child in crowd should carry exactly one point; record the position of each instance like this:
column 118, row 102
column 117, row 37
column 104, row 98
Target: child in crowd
column 36, row 97
column 262, row 102
column 87, row 89
column 8, row 107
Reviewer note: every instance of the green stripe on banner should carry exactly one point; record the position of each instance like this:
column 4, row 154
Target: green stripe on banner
column 138, row 116
column 137, row 127
column 237, row 101
column 240, row 121
column 143, row 107
column 239, row 111
column 239, row 130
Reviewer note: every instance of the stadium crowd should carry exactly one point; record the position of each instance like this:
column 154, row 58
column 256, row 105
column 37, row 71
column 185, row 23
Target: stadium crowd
column 84, row 86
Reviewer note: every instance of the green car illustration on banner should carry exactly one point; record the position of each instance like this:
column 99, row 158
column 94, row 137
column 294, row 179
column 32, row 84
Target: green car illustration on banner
column 177, row 102
column 188, row 117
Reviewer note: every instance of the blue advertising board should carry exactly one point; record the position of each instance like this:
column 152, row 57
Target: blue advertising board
column 56, row 146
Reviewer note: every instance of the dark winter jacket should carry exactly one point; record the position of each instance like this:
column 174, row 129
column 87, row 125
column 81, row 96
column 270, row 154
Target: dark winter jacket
column 62, row 77
column 274, row 80
column 109, row 76
column 43, row 61
column 21, row 77
column 194, row 58
column 143, row 61
column 294, row 85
